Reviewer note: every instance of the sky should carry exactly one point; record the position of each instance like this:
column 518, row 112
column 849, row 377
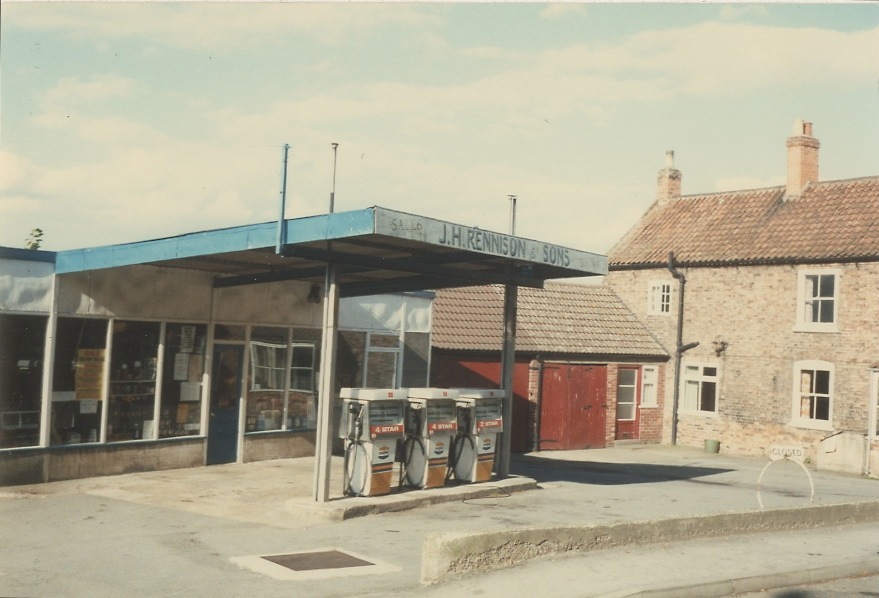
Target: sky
column 123, row 122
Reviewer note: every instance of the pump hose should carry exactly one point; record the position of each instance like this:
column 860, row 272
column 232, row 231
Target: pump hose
column 408, row 447
column 354, row 450
column 455, row 453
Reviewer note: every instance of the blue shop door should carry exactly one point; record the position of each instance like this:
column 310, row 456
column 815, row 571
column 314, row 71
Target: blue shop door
column 225, row 398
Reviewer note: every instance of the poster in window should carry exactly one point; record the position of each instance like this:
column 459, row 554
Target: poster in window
column 89, row 373
column 190, row 392
column 181, row 366
column 187, row 339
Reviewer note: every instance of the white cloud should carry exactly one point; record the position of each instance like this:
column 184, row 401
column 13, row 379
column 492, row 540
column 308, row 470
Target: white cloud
column 562, row 10
column 73, row 90
column 734, row 11
column 210, row 25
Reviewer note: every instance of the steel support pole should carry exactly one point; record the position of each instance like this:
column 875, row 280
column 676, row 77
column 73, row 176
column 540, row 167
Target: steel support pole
column 323, row 449
column 508, row 363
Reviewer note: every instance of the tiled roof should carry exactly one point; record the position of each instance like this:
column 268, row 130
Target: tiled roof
column 561, row 319
column 830, row 221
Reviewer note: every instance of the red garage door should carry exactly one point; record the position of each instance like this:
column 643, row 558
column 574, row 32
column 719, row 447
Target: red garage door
column 573, row 406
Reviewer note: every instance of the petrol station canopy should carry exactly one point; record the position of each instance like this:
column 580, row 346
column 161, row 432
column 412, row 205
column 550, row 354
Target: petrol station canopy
column 376, row 250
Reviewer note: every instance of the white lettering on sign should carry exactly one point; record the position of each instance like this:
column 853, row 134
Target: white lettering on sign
column 492, row 424
column 442, row 426
column 476, row 239
column 779, row 452
column 376, row 431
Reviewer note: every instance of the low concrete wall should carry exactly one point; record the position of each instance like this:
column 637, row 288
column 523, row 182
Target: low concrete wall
column 277, row 445
column 461, row 553
column 842, row 452
column 34, row 466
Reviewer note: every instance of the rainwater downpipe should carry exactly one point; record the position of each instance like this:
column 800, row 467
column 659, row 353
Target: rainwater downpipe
column 538, row 402
column 680, row 348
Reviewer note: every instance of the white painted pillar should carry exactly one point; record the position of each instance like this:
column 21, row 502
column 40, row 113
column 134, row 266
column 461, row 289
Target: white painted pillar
column 326, row 387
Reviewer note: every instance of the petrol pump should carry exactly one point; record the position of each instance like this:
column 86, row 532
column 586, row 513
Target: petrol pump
column 371, row 425
column 480, row 420
column 431, row 422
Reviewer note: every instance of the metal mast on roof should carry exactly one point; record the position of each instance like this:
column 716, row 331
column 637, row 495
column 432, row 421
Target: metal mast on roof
column 333, row 192
column 282, row 233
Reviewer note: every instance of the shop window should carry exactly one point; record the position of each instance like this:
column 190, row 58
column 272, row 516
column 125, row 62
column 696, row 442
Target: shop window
column 649, row 377
column 627, row 396
column 269, row 366
column 818, row 300
column 267, row 379
column 229, row 332
column 78, row 376
column 182, row 372
column 132, row 393
column 416, row 359
column 301, row 408
column 813, row 394
column 382, row 359
column 22, row 340
column 700, row 388
column 302, row 367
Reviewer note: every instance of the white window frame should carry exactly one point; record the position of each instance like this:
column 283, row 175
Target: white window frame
column 797, row 419
column 276, row 365
column 634, row 386
column 293, row 347
column 659, row 293
column 700, row 377
column 649, row 386
column 806, row 295
column 373, row 349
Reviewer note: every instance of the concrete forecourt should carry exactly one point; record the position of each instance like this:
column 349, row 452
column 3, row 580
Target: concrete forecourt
column 643, row 520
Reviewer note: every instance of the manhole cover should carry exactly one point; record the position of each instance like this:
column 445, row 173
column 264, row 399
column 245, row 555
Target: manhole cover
column 325, row 559
column 321, row 563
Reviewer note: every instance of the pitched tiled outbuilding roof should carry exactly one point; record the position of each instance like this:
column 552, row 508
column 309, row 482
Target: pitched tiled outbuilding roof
column 559, row 319
column 831, row 221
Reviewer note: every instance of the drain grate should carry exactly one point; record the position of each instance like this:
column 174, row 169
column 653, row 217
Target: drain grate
column 321, row 563
column 311, row 561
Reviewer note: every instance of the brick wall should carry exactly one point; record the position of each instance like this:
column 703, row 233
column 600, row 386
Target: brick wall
column 753, row 311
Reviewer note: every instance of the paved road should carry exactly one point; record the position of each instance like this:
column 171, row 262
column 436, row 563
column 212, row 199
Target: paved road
column 850, row 587
column 190, row 532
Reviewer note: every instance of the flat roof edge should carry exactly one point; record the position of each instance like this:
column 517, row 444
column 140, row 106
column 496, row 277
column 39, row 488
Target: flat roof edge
column 27, row 255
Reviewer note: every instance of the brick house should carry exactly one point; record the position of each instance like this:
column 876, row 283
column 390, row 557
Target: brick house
column 587, row 373
column 779, row 289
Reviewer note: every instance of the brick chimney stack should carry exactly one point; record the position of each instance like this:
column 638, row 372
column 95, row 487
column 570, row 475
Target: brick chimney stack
column 668, row 182
column 802, row 159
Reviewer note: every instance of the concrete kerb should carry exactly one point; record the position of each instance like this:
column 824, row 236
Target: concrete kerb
column 757, row 583
column 459, row 553
column 347, row 508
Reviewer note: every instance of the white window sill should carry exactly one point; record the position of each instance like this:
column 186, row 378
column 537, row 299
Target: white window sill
column 700, row 413
column 818, row 328
column 811, row 424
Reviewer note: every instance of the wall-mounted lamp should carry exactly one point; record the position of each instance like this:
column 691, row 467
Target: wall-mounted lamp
column 314, row 294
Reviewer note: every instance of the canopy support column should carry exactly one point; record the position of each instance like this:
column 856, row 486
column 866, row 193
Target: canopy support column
column 326, row 387
column 508, row 363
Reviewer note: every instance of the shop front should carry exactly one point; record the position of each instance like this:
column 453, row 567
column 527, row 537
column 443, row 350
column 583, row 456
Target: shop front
column 145, row 368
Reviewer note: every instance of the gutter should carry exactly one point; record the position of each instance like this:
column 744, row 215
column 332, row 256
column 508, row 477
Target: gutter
column 680, row 348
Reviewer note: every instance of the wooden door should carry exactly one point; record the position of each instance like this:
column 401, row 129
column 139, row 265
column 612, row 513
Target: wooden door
column 573, row 406
column 628, row 403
